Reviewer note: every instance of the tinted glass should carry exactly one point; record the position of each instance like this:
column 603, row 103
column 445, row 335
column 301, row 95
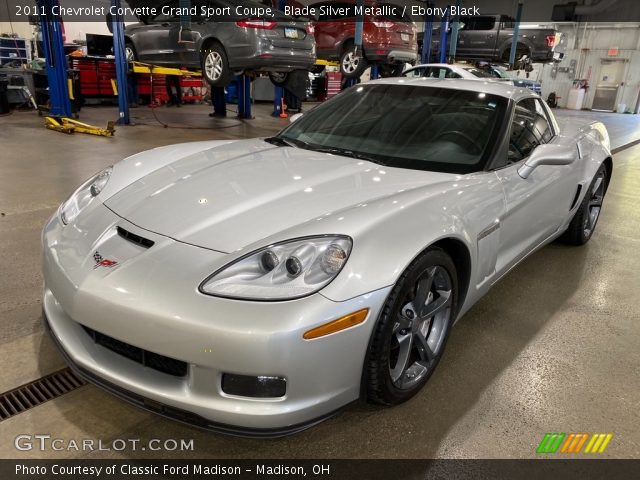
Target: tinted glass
column 405, row 126
column 530, row 128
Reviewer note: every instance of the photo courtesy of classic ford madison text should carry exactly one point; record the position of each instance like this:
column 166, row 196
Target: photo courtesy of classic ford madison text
column 317, row 233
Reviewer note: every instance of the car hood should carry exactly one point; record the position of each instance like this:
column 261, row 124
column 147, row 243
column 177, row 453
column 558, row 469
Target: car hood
column 230, row 196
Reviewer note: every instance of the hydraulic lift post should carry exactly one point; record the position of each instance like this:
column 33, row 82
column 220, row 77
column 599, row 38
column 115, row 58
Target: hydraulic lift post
column 117, row 23
column 357, row 40
column 444, row 23
column 427, row 35
column 455, row 25
column 279, row 91
column 516, row 32
column 57, row 75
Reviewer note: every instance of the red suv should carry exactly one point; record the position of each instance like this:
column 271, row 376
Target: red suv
column 388, row 39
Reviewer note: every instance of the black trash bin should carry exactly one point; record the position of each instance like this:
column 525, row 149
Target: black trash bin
column 4, row 100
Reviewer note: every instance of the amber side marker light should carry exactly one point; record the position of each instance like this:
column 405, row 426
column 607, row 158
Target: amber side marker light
column 334, row 326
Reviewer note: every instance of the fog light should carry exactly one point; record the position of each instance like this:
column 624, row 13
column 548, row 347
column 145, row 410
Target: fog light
column 262, row 386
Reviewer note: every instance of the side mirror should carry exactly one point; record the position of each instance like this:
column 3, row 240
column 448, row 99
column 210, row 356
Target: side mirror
column 295, row 117
column 548, row 154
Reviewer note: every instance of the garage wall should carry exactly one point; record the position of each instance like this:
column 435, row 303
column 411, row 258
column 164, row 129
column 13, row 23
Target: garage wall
column 588, row 44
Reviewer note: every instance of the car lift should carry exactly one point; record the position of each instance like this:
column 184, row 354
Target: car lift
column 57, row 76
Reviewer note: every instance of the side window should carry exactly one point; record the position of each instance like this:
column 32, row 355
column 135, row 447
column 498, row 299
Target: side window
column 483, row 23
column 414, row 73
column 530, row 128
column 452, row 74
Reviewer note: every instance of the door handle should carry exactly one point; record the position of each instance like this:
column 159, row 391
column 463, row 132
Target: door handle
column 166, row 24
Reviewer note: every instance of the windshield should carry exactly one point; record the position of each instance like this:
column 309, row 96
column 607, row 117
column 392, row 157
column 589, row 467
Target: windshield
column 405, row 126
column 482, row 73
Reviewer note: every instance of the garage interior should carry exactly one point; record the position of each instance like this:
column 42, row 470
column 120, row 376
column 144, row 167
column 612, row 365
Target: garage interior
column 554, row 346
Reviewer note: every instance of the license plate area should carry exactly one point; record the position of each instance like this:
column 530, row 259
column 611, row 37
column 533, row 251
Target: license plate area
column 291, row 33
column 404, row 37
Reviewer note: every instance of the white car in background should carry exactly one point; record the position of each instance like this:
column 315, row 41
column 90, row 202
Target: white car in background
column 255, row 287
column 445, row 70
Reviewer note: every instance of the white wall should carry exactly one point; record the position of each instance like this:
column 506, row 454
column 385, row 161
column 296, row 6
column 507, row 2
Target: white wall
column 588, row 44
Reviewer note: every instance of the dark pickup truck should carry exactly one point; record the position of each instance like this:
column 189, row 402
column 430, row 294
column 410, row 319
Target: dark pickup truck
column 488, row 37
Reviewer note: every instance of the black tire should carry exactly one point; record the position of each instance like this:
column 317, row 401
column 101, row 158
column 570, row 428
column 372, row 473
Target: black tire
column 318, row 69
column 130, row 51
column 352, row 62
column 215, row 66
column 279, row 79
column 391, row 70
column 586, row 217
column 386, row 381
column 521, row 50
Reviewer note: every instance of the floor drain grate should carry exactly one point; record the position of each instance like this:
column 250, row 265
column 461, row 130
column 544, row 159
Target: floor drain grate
column 39, row 391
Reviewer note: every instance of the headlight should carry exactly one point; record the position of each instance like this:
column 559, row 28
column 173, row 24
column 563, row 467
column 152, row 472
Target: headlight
column 282, row 271
column 83, row 195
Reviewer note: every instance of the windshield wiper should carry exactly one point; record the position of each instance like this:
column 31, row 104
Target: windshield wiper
column 348, row 153
column 279, row 142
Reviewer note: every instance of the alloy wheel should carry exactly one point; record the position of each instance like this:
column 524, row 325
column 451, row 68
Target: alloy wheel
column 420, row 328
column 129, row 55
column 213, row 66
column 595, row 204
column 350, row 62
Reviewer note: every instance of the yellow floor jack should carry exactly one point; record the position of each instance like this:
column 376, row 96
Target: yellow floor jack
column 68, row 125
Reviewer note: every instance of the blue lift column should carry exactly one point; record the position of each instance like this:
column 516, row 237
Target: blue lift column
column 244, row 97
column 122, row 66
column 56, row 60
column 455, row 25
column 357, row 40
column 427, row 35
column 444, row 23
column 279, row 92
column 516, row 32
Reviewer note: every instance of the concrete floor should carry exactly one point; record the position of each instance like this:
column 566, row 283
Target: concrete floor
column 555, row 346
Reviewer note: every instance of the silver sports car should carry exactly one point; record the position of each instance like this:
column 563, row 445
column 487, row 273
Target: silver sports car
column 257, row 286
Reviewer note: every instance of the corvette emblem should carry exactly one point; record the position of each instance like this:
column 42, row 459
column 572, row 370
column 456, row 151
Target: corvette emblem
column 103, row 262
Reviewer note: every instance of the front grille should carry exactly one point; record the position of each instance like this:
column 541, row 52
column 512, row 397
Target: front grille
column 134, row 238
column 163, row 364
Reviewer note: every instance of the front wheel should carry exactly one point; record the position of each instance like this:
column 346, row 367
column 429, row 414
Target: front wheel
column 215, row 66
column 412, row 330
column 584, row 222
column 352, row 62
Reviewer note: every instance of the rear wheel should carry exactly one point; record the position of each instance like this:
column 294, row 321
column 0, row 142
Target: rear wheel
column 352, row 62
column 584, row 222
column 130, row 52
column 215, row 66
column 413, row 328
column 278, row 78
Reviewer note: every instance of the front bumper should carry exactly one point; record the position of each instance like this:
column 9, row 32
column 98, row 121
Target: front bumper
column 149, row 300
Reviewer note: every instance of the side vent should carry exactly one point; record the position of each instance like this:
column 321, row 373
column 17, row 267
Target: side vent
column 133, row 238
column 576, row 197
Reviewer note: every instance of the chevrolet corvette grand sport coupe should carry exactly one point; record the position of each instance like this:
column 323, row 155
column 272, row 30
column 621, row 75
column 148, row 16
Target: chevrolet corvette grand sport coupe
column 255, row 287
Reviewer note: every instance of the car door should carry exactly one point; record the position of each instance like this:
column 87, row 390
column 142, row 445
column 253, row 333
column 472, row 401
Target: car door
column 152, row 41
column 536, row 206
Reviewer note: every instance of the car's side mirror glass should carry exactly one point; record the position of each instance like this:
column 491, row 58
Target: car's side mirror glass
column 548, row 154
column 295, row 117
